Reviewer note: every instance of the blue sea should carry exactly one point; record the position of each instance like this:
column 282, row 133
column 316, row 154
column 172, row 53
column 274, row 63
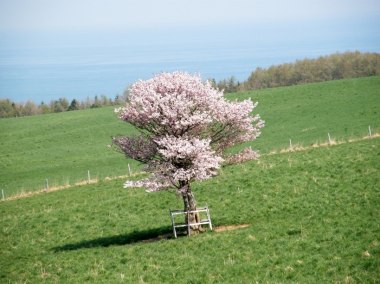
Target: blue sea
column 45, row 66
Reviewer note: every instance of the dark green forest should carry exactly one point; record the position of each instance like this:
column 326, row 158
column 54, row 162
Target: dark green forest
column 325, row 68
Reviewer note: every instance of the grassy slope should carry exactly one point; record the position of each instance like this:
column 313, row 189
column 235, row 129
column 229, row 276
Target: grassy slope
column 306, row 113
column 62, row 147
column 313, row 216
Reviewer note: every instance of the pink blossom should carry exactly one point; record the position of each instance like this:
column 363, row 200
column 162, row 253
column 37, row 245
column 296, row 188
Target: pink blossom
column 245, row 155
column 195, row 156
column 187, row 125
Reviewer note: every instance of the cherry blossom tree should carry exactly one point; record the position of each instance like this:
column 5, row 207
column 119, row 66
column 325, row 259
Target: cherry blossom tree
column 185, row 127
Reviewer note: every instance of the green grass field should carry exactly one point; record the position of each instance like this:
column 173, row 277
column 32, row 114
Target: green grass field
column 63, row 147
column 60, row 147
column 313, row 216
column 307, row 113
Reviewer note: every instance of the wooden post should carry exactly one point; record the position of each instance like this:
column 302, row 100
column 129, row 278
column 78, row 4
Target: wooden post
column 328, row 134
column 46, row 185
column 290, row 144
column 188, row 223
column 88, row 176
column 2, row 193
column 208, row 217
column 129, row 170
column 369, row 131
column 172, row 219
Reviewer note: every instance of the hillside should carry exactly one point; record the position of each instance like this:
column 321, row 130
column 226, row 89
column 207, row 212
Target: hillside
column 63, row 147
column 307, row 113
column 59, row 147
column 310, row 216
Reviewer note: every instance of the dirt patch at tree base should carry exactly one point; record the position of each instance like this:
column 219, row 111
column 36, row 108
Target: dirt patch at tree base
column 230, row 228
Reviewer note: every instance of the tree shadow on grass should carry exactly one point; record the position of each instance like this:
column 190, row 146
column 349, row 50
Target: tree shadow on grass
column 147, row 236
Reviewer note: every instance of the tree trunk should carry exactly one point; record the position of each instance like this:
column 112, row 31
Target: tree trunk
column 190, row 205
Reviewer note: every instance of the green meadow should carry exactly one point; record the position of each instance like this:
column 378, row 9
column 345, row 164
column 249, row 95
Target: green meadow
column 309, row 216
column 59, row 147
column 63, row 147
column 307, row 113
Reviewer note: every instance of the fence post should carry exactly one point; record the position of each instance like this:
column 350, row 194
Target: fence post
column 129, row 170
column 328, row 134
column 88, row 176
column 369, row 131
column 290, row 144
column 2, row 193
column 46, row 185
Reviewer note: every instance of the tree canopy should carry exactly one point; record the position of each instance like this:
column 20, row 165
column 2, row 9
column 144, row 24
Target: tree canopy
column 185, row 126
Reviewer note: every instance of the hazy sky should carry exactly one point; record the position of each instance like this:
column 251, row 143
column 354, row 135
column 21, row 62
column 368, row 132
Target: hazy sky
column 78, row 48
column 68, row 15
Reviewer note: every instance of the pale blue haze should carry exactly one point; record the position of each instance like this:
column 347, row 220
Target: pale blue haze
column 76, row 49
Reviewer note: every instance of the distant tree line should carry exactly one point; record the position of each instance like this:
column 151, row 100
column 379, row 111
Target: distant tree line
column 332, row 67
column 9, row 108
column 325, row 68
